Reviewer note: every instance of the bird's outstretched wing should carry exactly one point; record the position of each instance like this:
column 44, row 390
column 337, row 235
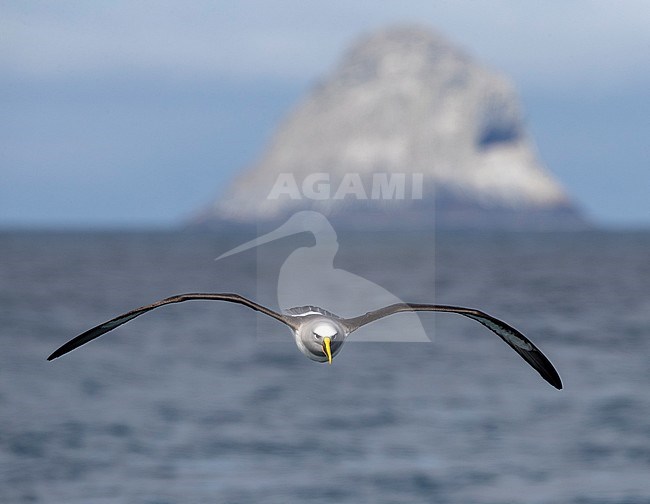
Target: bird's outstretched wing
column 517, row 341
column 96, row 332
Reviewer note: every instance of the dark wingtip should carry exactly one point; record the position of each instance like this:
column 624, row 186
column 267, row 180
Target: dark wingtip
column 64, row 349
column 543, row 366
column 551, row 375
column 55, row 354
column 557, row 382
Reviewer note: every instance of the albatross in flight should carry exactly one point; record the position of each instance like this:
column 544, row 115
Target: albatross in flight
column 320, row 334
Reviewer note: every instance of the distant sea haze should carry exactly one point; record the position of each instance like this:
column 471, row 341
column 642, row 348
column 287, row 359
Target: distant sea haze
column 209, row 402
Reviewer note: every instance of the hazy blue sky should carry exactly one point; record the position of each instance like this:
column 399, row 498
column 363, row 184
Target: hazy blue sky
column 137, row 113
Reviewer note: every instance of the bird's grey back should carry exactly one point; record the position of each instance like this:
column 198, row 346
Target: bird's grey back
column 302, row 311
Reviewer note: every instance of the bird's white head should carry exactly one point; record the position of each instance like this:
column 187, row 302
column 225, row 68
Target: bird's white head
column 320, row 338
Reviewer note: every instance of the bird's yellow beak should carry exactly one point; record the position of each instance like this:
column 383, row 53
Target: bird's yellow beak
column 327, row 349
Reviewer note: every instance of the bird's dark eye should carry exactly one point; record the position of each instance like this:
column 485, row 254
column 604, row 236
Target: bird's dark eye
column 317, row 336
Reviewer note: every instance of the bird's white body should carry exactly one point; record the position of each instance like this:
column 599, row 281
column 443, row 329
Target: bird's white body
column 314, row 325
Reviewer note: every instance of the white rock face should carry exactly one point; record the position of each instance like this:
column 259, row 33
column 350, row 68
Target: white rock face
column 402, row 101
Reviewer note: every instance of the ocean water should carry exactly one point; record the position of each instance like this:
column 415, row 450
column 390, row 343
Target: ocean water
column 192, row 404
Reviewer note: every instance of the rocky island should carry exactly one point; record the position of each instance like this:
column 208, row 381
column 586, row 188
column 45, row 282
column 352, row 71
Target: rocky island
column 406, row 131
